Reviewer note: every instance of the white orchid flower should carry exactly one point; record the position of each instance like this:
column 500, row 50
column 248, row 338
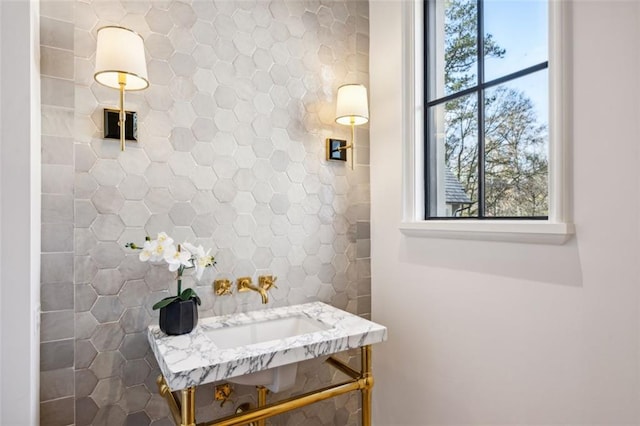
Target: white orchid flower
column 160, row 250
column 164, row 239
column 202, row 258
column 161, row 246
column 192, row 249
column 176, row 258
column 202, row 263
column 148, row 251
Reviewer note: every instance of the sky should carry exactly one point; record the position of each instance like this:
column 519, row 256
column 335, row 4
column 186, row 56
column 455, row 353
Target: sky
column 520, row 27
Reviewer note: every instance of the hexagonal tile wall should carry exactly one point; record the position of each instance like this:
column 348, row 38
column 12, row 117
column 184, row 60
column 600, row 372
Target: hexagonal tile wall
column 229, row 155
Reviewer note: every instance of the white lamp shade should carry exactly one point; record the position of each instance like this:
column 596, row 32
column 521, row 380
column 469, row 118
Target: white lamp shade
column 120, row 51
column 352, row 106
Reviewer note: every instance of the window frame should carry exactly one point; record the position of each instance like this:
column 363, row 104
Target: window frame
column 557, row 227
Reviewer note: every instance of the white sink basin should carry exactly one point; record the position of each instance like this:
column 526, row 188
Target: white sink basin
column 275, row 379
column 264, row 331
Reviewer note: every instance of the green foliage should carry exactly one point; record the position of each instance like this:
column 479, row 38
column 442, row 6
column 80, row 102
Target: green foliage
column 190, row 293
column 461, row 44
column 187, row 294
column 165, row 302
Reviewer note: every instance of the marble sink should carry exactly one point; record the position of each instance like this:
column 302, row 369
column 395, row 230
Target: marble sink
column 276, row 379
column 251, row 333
column 260, row 347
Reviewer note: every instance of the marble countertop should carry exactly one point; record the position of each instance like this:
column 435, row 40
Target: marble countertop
column 193, row 359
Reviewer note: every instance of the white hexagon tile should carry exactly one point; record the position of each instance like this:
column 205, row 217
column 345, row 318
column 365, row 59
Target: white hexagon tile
column 230, row 155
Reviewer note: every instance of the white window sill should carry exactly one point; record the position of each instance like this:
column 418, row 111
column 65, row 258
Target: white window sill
column 521, row 231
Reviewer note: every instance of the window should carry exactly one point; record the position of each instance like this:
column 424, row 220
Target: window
column 486, row 109
column 486, row 87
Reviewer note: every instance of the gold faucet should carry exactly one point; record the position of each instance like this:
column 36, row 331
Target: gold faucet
column 264, row 284
column 222, row 287
column 267, row 281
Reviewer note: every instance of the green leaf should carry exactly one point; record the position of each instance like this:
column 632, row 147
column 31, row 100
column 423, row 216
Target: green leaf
column 188, row 293
column 165, row 302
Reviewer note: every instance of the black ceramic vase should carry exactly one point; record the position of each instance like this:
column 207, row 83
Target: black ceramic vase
column 179, row 317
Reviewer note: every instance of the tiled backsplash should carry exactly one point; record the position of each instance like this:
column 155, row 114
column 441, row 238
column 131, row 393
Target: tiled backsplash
column 231, row 155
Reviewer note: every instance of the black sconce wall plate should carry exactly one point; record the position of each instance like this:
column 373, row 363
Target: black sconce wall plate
column 336, row 149
column 112, row 127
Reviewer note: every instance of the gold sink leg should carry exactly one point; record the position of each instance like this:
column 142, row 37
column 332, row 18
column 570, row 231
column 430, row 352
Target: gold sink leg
column 262, row 401
column 188, row 407
column 367, row 378
column 184, row 413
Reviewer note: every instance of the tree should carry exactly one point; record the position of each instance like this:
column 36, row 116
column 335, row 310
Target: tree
column 516, row 166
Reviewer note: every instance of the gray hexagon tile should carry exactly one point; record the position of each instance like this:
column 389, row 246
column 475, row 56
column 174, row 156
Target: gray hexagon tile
column 107, row 255
column 134, row 162
column 182, row 214
column 134, row 213
column 226, row 120
column 85, row 325
column 225, row 190
column 158, row 175
column 133, row 293
column 107, row 364
column 108, row 390
column 133, row 187
column 204, row 178
column 159, row 223
column 159, row 46
column 85, row 354
column 134, row 400
column 135, row 320
column 107, row 227
column 182, row 164
column 182, row 189
column 107, row 336
column 134, row 346
column 183, row 64
column 157, row 124
column 131, row 268
column 159, row 200
column 107, row 172
column 135, row 372
column 159, row 20
column 86, row 382
column 107, row 199
column 85, row 185
column 183, row 89
column 107, row 309
column 85, row 296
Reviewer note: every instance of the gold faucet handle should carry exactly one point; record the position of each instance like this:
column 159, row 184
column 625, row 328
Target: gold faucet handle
column 223, row 393
column 267, row 281
column 243, row 284
column 222, row 287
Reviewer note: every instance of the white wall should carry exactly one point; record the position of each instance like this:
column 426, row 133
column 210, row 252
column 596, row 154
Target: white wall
column 505, row 333
column 19, row 212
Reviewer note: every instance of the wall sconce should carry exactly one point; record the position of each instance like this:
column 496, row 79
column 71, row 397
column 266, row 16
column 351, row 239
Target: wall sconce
column 352, row 109
column 120, row 64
